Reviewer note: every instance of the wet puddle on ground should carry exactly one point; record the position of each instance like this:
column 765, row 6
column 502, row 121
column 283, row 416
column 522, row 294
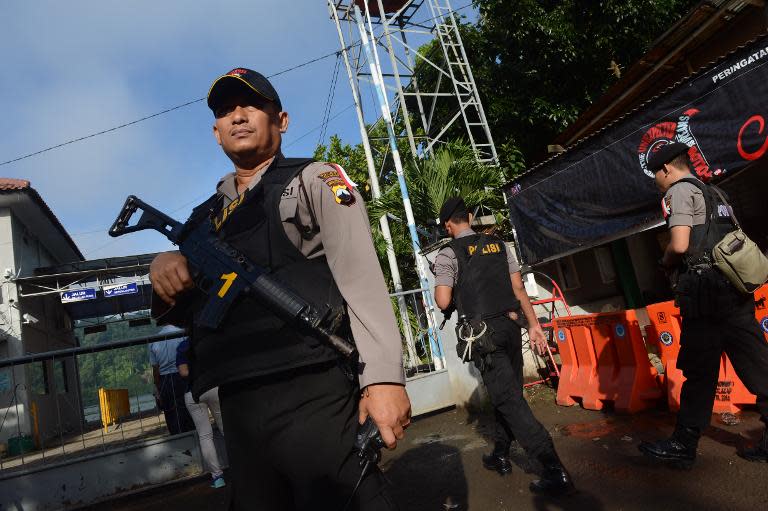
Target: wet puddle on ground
column 619, row 427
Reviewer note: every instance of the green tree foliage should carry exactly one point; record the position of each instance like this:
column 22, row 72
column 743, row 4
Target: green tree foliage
column 539, row 63
column 452, row 170
column 124, row 368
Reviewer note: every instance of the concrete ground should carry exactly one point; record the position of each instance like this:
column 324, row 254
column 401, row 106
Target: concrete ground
column 438, row 467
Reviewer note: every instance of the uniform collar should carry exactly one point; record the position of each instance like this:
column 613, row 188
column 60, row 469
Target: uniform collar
column 228, row 187
column 465, row 233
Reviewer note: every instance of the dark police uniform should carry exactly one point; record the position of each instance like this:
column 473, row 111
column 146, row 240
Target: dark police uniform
column 289, row 406
column 478, row 269
column 716, row 317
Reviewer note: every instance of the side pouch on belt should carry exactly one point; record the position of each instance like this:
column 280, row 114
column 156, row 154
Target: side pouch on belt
column 473, row 340
column 741, row 261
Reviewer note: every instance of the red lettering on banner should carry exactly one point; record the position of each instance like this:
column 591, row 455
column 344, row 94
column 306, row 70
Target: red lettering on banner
column 699, row 163
column 663, row 130
column 760, row 152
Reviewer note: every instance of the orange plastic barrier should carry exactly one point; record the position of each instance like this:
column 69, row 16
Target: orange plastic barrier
column 664, row 332
column 761, row 309
column 604, row 360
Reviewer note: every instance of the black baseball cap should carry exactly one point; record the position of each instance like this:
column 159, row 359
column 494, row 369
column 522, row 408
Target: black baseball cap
column 665, row 154
column 452, row 206
column 237, row 79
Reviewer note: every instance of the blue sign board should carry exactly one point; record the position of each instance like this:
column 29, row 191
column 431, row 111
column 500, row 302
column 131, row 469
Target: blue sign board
column 120, row 290
column 78, row 295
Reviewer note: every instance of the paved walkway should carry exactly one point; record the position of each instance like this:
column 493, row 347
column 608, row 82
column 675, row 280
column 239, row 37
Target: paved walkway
column 139, row 427
column 438, row 467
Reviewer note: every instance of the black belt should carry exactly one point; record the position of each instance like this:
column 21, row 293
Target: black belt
column 483, row 317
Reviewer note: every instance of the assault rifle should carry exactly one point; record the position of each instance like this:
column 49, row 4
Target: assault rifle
column 223, row 274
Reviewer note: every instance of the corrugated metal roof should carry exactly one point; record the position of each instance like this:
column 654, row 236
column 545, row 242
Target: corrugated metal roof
column 616, row 121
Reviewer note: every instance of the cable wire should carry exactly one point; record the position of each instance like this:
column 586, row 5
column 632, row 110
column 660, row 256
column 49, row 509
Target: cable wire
column 167, row 110
column 171, row 109
column 329, row 101
column 306, row 134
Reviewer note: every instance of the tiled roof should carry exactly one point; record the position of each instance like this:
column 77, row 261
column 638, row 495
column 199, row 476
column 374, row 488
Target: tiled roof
column 9, row 183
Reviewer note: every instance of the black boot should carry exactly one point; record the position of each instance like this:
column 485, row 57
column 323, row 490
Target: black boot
column 555, row 479
column 679, row 449
column 498, row 460
column 759, row 452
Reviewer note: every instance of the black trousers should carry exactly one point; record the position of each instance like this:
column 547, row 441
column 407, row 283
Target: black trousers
column 726, row 323
column 502, row 374
column 290, row 440
column 177, row 418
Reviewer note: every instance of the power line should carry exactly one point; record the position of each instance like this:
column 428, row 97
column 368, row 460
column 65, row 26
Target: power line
column 306, row 134
column 167, row 110
column 329, row 101
column 100, row 132
column 319, row 126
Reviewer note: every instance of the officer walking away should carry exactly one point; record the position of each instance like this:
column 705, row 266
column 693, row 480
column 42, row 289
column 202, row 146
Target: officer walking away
column 290, row 407
column 716, row 317
column 477, row 275
column 169, row 385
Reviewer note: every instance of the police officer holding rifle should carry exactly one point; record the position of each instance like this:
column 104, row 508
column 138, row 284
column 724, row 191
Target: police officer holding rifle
column 291, row 406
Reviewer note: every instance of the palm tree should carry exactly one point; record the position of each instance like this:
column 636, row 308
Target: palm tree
column 451, row 170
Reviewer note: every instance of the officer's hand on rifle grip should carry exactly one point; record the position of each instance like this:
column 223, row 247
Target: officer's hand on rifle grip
column 170, row 276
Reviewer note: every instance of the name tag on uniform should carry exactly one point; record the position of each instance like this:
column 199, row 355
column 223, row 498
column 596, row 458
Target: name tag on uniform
column 723, row 210
column 290, row 192
column 488, row 248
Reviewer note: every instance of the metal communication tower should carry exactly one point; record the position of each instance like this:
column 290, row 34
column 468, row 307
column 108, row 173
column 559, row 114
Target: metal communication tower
column 398, row 29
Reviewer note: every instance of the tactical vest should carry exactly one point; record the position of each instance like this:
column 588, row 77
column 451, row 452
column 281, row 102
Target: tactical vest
column 251, row 340
column 483, row 288
column 705, row 236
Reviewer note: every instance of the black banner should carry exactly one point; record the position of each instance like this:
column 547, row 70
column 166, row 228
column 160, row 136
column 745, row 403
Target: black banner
column 601, row 189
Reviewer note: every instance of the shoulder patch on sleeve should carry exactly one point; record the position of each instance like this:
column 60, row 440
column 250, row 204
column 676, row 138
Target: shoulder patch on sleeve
column 666, row 206
column 341, row 173
column 339, row 183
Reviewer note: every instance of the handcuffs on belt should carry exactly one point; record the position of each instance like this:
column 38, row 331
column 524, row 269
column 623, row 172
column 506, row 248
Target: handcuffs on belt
column 469, row 337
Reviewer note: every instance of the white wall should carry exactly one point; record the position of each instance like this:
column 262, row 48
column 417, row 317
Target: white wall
column 21, row 252
column 10, row 339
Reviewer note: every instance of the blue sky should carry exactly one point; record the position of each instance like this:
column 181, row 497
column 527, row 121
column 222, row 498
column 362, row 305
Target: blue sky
column 74, row 68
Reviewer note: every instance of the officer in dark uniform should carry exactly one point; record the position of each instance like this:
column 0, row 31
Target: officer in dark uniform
column 716, row 317
column 290, row 406
column 476, row 273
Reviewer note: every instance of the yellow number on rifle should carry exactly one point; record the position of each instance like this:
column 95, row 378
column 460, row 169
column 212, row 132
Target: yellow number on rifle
column 228, row 279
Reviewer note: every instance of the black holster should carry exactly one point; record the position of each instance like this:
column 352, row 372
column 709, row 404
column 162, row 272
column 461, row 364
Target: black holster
column 701, row 292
